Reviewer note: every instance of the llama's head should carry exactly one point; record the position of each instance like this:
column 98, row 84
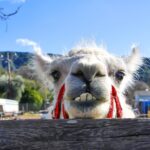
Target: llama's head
column 88, row 74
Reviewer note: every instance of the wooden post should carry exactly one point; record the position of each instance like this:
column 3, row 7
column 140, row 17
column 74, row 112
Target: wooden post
column 9, row 93
column 126, row 134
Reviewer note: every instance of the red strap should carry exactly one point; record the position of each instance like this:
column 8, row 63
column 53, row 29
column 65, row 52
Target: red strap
column 65, row 114
column 118, row 105
column 57, row 109
column 115, row 97
column 111, row 109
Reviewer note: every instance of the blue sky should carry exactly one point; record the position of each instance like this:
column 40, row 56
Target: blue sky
column 57, row 25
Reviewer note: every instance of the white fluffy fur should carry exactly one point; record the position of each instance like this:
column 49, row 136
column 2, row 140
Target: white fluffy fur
column 89, row 55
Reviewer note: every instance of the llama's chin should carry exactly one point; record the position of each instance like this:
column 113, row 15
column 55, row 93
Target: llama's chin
column 88, row 109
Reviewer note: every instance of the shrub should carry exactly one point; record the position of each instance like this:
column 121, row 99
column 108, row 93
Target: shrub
column 11, row 89
column 32, row 96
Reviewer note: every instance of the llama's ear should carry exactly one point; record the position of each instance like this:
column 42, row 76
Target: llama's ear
column 134, row 61
column 41, row 61
column 42, row 65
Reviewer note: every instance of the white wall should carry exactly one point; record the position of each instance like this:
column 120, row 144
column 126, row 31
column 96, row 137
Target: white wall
column 9, row 105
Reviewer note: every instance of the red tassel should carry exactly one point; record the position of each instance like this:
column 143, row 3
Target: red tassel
column 115, row 97
column 57, row 109
column 111, row 109
column 118, row 105
column 65, row 114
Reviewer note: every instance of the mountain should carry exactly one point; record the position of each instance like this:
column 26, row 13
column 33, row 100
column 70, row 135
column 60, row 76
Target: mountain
column 16, row 59
column 19, row 59
column 144, row 71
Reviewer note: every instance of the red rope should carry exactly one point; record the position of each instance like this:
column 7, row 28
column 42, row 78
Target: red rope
column 118, row 105
column 65, row 114
column 57, row 110
column 115, row 97
column 111, row 108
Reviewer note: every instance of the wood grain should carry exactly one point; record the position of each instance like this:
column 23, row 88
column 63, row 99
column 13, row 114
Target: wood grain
column 105, row 134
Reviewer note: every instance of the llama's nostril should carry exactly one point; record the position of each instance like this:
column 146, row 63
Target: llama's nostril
column 88, row 89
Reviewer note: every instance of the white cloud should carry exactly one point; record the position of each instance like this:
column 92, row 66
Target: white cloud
column 37, row 49
column 15, row 1
column 19, row 1
column 27, row 42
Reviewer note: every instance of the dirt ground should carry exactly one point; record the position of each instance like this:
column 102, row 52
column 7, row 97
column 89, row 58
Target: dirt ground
column 25, row 116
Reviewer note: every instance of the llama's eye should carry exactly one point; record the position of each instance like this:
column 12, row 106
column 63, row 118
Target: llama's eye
column 56, row 75
column 119, row 75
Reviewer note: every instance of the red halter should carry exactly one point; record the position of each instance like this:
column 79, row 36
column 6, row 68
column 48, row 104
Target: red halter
column 60, row 105
column 115, row 97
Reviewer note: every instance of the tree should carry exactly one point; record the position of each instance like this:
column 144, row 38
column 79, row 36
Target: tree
column 27, row 72
column 36, row 95
column 2, row 71
column 16, row 89
column 4, row 16
column 32, row 95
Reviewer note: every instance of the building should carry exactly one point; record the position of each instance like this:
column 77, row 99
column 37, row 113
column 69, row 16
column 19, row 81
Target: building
column 9, row 106
column 142, row 101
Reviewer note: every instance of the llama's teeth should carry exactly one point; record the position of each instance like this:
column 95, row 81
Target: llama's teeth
column 83, row 97
column 89, row 97
column 77, row 99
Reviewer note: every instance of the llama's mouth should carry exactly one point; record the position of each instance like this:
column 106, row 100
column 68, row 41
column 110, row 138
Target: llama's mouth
column 85, row 97
column 83, row 105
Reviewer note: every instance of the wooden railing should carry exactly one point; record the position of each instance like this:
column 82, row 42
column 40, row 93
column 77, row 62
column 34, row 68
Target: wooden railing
column 103, row 134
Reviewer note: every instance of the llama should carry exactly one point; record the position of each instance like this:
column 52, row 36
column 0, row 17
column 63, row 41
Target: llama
column 88, row 82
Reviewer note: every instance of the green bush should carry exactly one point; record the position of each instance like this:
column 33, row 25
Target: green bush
column 25, row 91
column 32, row 96
column 12, row 89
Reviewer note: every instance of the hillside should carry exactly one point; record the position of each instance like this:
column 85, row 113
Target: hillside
column 20, row 59
column 144, row 71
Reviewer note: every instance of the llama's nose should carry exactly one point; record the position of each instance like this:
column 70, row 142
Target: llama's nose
column 85, row 78
column 87, row 73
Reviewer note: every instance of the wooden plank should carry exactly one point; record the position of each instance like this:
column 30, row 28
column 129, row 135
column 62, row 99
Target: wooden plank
column 75, row 134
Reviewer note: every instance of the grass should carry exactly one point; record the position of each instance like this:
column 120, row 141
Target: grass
column 29, row 115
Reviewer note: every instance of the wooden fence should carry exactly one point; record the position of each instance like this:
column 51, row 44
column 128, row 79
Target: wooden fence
column 103, row 134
